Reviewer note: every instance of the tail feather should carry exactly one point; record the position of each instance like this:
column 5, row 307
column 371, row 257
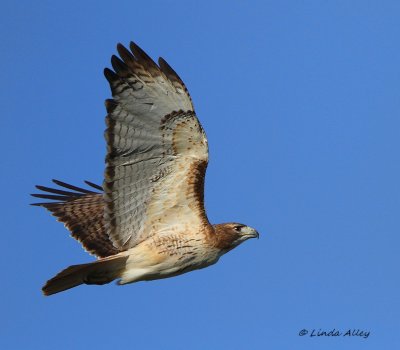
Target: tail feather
column 98, row 272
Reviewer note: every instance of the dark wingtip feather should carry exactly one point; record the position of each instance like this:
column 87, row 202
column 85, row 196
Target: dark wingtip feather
column 137, row 51
column 110, row 75
column 143, row 57
column 58, row 195
column 47, row 205
column 119, row 66
column 71, row 187
column 110, row 105
column 53, row 190
column 169, row 71
column 97, row 187
column 124, row 53
column 162, row 62
column 49, row 196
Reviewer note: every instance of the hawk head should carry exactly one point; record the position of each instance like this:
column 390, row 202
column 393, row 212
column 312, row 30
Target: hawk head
column 230, row 235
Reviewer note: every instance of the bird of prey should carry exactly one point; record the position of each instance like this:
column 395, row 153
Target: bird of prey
column 147, row 221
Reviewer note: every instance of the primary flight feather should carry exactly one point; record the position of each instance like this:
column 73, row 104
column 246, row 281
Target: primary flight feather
column 147, row 221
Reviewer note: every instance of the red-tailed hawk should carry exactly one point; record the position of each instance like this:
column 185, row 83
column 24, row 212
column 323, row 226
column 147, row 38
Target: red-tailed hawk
column 147, row 221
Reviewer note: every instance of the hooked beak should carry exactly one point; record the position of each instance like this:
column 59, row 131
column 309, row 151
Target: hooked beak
column 246, row 233
column 256, row 235
column 253, row 234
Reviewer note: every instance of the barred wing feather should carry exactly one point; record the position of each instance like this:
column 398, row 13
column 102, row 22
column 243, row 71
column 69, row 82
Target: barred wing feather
column 157, row 152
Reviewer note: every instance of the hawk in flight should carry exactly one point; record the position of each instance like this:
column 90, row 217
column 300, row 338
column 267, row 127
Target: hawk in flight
column 148, row 220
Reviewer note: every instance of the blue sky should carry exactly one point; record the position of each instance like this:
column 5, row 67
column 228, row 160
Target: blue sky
column 300, row 102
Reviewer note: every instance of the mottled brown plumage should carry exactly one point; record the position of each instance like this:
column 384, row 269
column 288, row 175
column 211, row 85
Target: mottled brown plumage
column 147, row 221
column 82, row 213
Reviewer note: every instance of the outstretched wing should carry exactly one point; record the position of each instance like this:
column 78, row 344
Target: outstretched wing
column 82, row 212
column 157, row 152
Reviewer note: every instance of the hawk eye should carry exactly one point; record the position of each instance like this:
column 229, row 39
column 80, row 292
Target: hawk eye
column 238, row 228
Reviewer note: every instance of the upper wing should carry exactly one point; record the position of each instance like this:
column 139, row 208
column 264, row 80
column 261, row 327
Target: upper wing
column 157, row 152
